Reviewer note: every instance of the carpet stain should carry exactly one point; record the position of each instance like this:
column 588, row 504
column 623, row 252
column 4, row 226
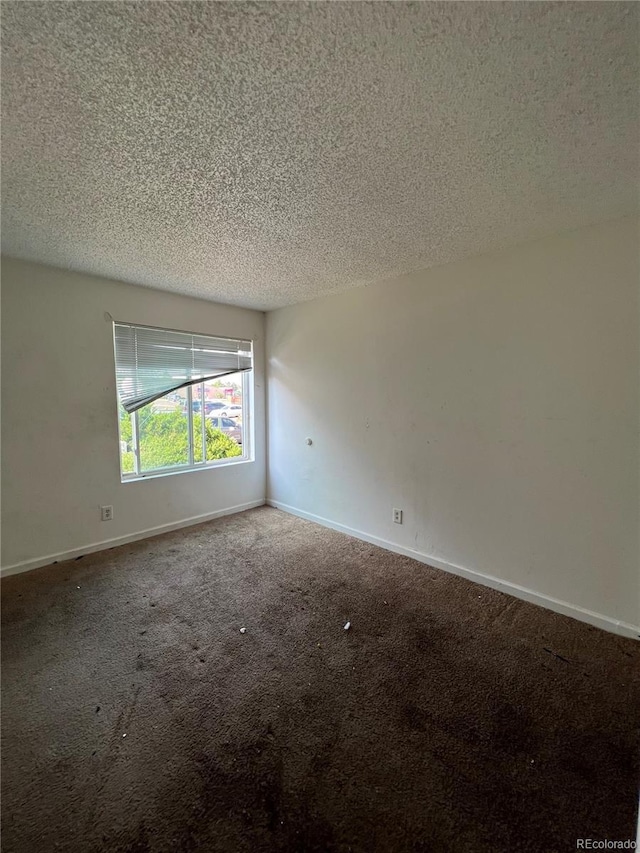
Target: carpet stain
column 449, row 717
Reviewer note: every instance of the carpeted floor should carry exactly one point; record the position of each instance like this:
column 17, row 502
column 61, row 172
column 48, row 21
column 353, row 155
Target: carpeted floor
column 138, row 717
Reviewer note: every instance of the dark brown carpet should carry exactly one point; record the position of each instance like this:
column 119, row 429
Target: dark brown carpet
column 449, row 718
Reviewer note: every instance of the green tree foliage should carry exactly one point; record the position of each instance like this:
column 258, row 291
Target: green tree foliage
column 126, row 435
column 219, row 445
column 164, row 440
column 127, row 461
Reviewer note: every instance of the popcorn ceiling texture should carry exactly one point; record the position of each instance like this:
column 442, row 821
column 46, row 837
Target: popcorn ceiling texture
column 265, row 154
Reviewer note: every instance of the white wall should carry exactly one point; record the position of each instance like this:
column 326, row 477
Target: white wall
column 59, row 414
column 494, row 400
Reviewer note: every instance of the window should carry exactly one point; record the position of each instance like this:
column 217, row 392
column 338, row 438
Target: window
column 183, row 400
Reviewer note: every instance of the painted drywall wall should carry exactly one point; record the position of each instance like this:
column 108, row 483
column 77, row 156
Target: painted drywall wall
column 59, row 415
column 495, row 401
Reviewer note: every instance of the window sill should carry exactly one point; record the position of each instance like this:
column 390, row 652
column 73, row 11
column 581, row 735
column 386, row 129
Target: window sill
column 211, row 466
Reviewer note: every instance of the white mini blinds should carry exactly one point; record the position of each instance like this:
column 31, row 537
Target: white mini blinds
column 153, row 362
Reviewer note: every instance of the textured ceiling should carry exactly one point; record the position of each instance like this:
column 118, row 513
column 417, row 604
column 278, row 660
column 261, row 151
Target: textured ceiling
column 264, row 154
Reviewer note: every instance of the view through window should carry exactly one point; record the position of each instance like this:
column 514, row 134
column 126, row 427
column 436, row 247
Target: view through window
column 198, row 425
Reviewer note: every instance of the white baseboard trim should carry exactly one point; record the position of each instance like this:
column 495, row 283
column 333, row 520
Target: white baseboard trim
column 564, row 607
column 38, row 562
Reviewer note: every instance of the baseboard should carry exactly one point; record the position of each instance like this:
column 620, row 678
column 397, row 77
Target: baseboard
column 565, row 608
column 37, row 563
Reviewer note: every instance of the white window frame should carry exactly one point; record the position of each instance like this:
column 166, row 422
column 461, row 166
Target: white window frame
column 248, row 434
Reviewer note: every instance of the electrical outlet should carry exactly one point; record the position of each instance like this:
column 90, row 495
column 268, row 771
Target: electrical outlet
column 397, row 516
column 106, row 513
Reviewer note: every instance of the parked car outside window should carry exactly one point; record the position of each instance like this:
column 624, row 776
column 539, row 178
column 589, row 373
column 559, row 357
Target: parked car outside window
column 212, row 406
column 227, row 426
column 231, row 412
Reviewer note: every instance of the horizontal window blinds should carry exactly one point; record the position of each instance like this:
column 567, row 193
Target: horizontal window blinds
column 153, row 362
